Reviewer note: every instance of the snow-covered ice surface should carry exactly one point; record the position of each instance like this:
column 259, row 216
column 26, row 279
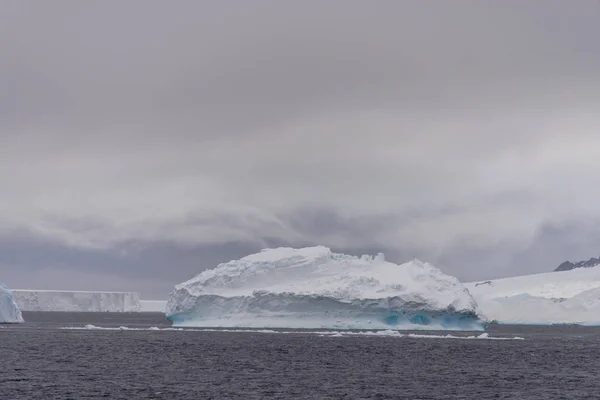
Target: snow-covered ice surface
column 315, row 288
column 9, row 311
column 77, row 301
column 569, row 297
column 153, row 305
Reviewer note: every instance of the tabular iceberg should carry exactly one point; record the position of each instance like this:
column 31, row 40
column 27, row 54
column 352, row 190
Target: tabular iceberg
column 315, row 288
column 9, row 312
column 77, row 301
column 568, row 297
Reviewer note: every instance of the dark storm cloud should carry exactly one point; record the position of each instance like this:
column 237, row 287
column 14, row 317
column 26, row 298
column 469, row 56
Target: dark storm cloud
column 450, row 131
column 550, row 246
column 152, row 268
column 34, row 262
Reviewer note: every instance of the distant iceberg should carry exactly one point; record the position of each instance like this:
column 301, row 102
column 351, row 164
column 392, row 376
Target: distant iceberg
column 9, row 311
column 566, row 297
column 77, row 301
column 315, row 288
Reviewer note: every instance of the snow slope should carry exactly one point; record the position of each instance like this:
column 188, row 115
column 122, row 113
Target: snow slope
column 315, row 288
column 76, row 301
column 9, row 311
column 568, row 297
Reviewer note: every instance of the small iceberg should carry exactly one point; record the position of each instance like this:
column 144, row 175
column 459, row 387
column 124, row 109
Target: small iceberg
column 9, row 311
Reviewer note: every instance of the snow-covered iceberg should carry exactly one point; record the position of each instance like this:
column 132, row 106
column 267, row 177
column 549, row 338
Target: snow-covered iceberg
column 568, row 297
column 315, row 288
column 9, row 311
column 77, row 301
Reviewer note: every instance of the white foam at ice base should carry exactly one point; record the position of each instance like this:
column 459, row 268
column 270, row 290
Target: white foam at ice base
column 392, row 333
column 566, row 297
column 120, row 328
column 76, row 301
column 153, row 306
column 383, row 333
column 9, row 310
column 315, row 288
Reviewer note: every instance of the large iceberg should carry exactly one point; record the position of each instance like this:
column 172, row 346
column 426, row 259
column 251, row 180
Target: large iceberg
column 567, row 297
column 77, row 301
column 315, row 288
column 9, row 311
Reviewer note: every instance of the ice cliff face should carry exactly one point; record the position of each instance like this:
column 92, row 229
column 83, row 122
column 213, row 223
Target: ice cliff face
column 9, row 311
column 76, row 301
column 315, row 288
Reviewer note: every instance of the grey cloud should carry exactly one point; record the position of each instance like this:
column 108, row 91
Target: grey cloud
column 454, row 132
column 551, row 245
column 29, row 261
column 152, row 268
column 267, row 60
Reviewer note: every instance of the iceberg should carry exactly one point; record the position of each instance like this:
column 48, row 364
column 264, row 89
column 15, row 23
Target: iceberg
column 77, row 301
column 9, row 311
column 315, row 288
column 566, row 297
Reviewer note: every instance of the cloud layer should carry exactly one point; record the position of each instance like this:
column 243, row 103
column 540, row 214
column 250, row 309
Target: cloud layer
column 461, row 133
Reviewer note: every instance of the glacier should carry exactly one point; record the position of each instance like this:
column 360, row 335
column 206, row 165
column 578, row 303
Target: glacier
column 77, row 301
column 9, row 311
column 315, row 288
column 566, row 297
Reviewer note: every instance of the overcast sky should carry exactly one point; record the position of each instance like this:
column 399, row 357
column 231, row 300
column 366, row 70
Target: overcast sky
column 144, row 141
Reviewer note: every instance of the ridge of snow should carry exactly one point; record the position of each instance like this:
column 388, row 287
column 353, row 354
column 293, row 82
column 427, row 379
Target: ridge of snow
column 562, row 297
column 568, row 265
column 551, row 285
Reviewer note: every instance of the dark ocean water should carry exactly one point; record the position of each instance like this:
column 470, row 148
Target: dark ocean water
column 42, row 361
